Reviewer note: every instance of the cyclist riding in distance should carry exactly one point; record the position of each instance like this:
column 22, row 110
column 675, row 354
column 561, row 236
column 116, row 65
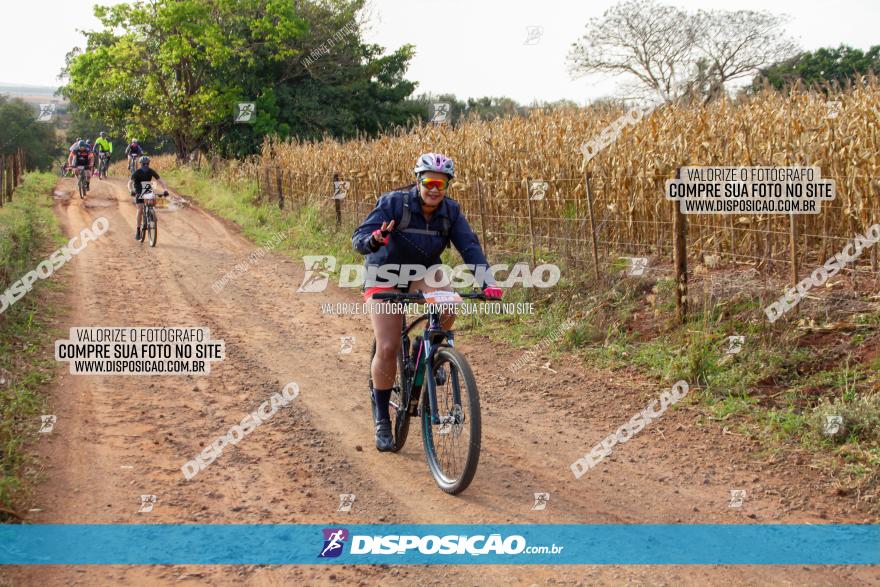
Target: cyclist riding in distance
column 143, row 175
column 102, row 144
column 134, row 149
column 75, row 145
column 82, row 156
column 412, row 225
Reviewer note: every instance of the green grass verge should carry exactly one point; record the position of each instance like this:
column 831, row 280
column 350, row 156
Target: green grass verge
column 28, row 232
column 306, row 226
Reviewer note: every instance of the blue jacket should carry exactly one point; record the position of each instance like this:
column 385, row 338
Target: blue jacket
column 414, row 248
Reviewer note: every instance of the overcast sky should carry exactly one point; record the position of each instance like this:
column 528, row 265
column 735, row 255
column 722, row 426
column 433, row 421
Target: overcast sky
column 470, row 48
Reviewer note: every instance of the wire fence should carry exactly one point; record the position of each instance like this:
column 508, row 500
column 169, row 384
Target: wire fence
column 576, row 214
column 12, row 169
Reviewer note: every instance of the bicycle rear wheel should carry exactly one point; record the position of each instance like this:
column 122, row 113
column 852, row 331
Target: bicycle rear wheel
column 400, row 396
column 452, row 447
column 144, row 225
column 152, row 227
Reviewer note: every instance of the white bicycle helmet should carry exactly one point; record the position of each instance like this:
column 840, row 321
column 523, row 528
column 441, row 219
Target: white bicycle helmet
column 435, row 162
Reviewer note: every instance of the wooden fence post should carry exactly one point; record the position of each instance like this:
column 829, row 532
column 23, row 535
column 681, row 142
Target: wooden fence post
column 10, row 186
column 482, row 216
column 593, row 236
column 531, row 226
column 267, row 183
column 792, row 242
column 279, row 182
column 16, row 172
column 679, row 236
column 874, row 259
column 337, row 204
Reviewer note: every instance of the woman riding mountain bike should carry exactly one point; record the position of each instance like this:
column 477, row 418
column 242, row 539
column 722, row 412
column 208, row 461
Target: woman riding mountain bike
column 411, row 226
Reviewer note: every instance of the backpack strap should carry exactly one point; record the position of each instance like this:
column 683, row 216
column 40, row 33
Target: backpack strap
column 406, row 218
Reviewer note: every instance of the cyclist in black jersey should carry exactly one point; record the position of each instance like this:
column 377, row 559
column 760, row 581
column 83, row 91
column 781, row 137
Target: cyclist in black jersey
column 142, row 175
column 83, row 157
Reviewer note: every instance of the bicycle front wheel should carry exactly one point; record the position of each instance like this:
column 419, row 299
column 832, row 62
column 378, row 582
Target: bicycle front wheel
column 452, row 447
column 152, row 227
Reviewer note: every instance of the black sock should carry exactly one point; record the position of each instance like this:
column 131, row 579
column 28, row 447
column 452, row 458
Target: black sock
column 382, row 396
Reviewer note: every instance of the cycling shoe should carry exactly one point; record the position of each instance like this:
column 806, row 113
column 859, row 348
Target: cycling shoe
column 384, row 439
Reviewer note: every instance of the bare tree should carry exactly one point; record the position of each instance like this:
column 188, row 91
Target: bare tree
column 652, row 42
column 738, row 43
column 679, row 55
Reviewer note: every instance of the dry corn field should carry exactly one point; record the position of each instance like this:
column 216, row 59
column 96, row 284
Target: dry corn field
column 494, row 160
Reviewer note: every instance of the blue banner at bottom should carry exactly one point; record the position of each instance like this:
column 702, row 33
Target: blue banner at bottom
column 566, row 544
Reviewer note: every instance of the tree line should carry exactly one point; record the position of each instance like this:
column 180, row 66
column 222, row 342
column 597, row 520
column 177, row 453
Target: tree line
column 171, row 72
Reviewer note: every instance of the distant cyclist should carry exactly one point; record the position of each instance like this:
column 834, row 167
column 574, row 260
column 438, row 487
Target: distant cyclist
column 142, row 175
column 75, row 144
column 132, row 151
column 411, row 225
column 82, row 156
column 102, row 145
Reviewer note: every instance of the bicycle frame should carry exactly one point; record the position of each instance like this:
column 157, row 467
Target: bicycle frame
column 144, row 190
column 432, row 338
column 80, row 173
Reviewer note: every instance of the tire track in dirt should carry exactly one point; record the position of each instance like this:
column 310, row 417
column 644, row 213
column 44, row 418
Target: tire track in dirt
column 120, row 437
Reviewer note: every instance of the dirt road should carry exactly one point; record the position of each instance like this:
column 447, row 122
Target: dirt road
column 119, row 437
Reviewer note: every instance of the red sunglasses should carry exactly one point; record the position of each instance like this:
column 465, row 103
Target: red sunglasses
column 440, row 184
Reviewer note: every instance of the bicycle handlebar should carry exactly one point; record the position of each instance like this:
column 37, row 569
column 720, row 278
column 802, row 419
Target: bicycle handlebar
column 405, row 297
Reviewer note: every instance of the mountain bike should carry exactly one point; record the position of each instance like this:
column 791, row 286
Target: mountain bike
column 81, row 181
column 132, row 163
column 149, row 221
column 450, row 409
column 103, row 164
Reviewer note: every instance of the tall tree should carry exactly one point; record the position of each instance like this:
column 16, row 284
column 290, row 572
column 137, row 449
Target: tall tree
column 177, row 68
column 822, row 66
column 733, row 44
column 675, row 54
column 20, row 129
column 650, row 42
